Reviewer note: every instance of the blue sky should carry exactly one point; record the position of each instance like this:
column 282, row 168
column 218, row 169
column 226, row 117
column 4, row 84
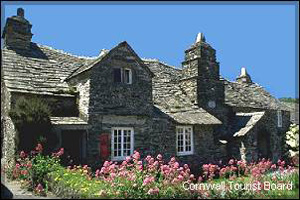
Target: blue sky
column 261, row 38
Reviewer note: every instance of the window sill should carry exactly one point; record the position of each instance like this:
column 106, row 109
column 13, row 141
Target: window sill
column 185, row 153
column 118, row 158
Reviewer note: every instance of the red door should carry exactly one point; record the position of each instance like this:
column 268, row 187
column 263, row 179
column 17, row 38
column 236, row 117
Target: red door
column 104, row 145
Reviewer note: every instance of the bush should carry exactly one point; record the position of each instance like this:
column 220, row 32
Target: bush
column 32, row 168
column 292, row 141
column 31, row 117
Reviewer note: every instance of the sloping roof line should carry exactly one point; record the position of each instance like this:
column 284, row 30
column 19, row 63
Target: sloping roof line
column 250, row 96
column 192, row 116
column 254, row 118
column 85, row 68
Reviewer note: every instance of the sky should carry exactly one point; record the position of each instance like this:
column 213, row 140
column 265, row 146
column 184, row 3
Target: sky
column 261, row 38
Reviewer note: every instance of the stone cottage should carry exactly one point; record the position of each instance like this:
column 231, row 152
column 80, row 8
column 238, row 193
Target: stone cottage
column 106, row 107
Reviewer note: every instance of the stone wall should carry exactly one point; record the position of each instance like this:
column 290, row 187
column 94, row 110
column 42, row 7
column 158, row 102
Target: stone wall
column 108, row 97
column 246, row 147
column 82, row 85
column 8, row 131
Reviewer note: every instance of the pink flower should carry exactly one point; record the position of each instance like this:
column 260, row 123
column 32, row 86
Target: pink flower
column 148, row 180
column 136, row 155
column 200, row 179
column 231, row 162
column 153, row 191
column 180, row 178
column 192, row 177
column 159, row 157
column 22, row 154
column 127, row 159
column 39, row 148
column 39, row 188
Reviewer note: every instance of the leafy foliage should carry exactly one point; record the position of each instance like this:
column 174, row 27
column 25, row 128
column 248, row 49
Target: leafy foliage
column 31, row 117
column 289, row 99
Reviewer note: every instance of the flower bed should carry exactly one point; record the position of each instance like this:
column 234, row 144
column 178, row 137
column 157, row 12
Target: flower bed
column 154, row 178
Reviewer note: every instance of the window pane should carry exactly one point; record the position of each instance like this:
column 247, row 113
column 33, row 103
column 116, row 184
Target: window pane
column 117, row 75
column 127, row 76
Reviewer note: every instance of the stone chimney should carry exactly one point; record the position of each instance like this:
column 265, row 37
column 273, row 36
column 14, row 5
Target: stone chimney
column 200, row 38
column 244, row 77
column 17, row 31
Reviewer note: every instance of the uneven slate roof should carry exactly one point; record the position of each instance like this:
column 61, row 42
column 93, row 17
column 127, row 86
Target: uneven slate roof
column 170, row 98
column 250, row 95
column 86, row 66
column 245, row 122
column 39, row 70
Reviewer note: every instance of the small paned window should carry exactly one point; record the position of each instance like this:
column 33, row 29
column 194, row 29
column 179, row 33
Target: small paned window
column 185, row 144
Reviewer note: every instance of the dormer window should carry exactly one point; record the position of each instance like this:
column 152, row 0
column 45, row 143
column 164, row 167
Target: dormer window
column 279, row 118
column 122, row 75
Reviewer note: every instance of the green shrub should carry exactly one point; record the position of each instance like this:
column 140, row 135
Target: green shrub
column 31, row 117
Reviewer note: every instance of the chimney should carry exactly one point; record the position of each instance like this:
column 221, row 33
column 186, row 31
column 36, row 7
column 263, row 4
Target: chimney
column 244, row 77
column 200, row 38
column 17, row 31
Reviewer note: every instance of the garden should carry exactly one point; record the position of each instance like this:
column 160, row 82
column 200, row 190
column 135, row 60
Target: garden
column 152, row 177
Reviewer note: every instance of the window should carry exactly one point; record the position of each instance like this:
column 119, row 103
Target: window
column 127, row 76
column 122, row 75
column 122, row 143
column 117, row 75
column 279, row 118
column 185, row 144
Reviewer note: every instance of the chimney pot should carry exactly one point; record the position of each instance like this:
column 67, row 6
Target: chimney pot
column 20, row 12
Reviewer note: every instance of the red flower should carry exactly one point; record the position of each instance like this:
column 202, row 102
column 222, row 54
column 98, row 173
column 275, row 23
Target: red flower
column 24, row 172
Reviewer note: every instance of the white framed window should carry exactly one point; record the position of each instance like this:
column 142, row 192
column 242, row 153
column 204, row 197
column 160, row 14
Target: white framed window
column 127, row 76
column 121, row 75
column 279, row 118
column 121, row 142
column 184, row 142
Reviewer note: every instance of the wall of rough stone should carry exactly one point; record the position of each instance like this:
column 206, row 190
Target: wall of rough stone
column 107, row 97
column 82, row 85
column 246, row 147
column 108, row 104
column 8, row 131
column 206, row 148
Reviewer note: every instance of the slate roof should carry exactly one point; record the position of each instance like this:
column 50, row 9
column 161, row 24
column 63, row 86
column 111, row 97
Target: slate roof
column 244, row 122
column 250, row 96
column 171, row 100
column 39, row 70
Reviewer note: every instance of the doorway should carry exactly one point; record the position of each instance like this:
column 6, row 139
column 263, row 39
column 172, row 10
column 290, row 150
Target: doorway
column 72, row 142
column 263, row 144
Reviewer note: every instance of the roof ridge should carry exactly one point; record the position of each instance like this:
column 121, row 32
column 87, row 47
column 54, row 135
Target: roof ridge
column 66, row 53
column 159, row 61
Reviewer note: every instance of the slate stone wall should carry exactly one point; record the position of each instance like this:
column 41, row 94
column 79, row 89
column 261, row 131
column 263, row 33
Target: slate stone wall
column 246, row 147
column 206, row 148
column 8, row 131
column 108, row 97
column 82, row 85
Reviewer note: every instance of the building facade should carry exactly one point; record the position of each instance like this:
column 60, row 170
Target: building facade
column 106, row 107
